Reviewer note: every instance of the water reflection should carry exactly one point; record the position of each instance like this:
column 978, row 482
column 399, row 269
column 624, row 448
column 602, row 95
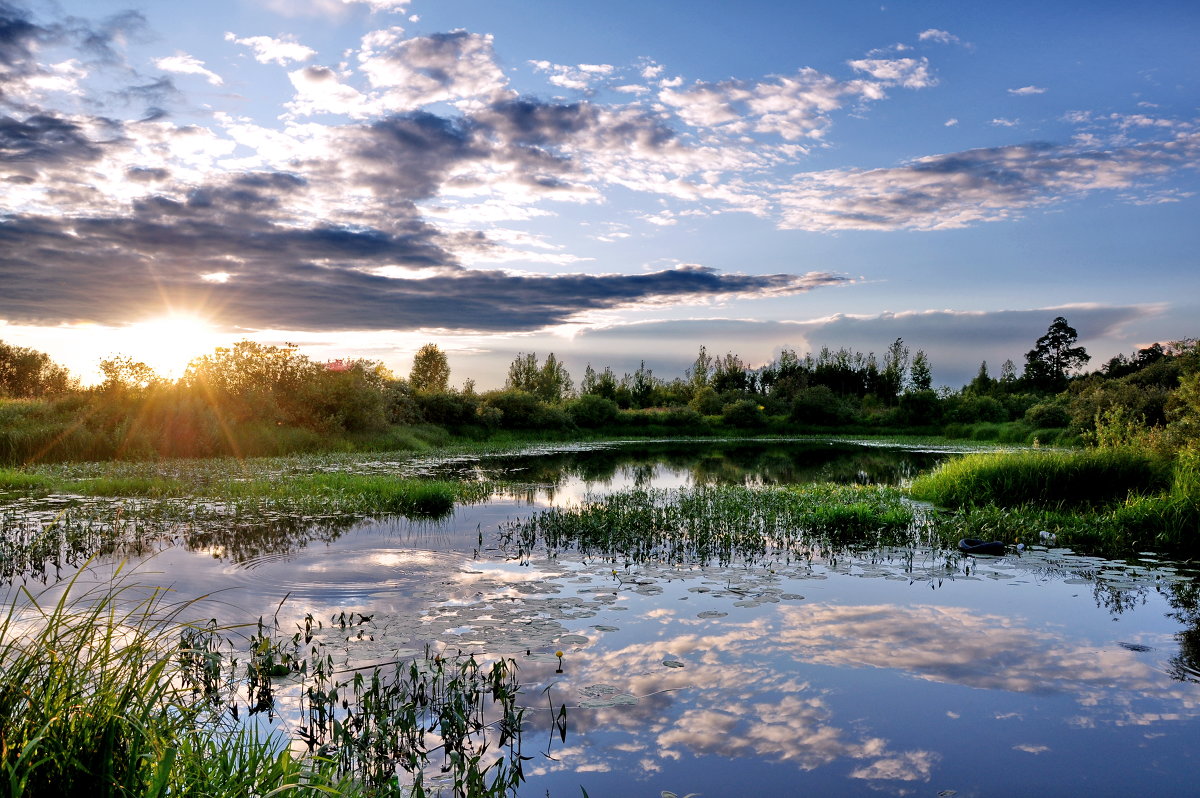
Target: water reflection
column 846, row 671
column 673, row 464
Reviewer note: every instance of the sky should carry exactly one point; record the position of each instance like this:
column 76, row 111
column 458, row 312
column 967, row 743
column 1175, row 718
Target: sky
column 613, row 182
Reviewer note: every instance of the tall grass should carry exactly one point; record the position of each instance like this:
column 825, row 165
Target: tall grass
column 1114, row 500
column 103, row 693
column 1044, row 478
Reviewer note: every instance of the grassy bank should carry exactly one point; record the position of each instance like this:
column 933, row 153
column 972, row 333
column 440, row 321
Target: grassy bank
column 1115, row 500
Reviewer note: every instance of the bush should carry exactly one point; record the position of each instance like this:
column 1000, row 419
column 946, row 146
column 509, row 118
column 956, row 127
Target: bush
column 1049, row 414
column 743, row 414
column 920, row 408
column 818, row 404
column 592, row 412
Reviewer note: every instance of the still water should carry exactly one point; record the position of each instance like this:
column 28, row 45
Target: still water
column 901, row 672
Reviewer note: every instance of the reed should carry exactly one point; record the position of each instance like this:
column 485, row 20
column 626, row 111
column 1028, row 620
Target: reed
column 722, row 523
column 108, row 692
column 1052, row 479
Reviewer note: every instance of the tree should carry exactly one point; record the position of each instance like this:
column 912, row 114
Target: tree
column 430, row 370
column 523, row 373
column 895, row 371
column 123, row 374
column 553, row 381
column 27, row 373
column 920, row 375
column 700, row 370
column 1053, row 356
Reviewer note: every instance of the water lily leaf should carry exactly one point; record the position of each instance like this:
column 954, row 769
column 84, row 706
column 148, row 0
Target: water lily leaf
column 672, row 663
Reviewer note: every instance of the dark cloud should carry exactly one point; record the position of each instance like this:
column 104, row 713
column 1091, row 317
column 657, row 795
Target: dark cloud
column 109, row 270
column 44, row 139
column 965, row 188
column 17, row 34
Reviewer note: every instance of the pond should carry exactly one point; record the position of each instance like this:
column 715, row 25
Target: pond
column 839, row 670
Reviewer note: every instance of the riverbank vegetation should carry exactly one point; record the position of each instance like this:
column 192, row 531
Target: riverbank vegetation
column 109, row 694
column 257, row 400
column 1139, row 414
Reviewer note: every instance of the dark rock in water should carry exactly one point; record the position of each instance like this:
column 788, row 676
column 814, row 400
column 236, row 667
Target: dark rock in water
column 976, row 546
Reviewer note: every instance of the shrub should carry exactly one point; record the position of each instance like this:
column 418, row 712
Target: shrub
column 591, row 411
column 743, row 414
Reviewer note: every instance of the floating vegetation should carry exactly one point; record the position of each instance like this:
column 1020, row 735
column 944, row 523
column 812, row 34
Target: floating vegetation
column 722, row 524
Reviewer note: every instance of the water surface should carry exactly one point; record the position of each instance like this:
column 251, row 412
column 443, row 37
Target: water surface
column 830, row 672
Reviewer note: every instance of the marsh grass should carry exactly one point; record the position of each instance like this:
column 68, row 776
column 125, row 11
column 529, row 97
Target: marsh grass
column 1051, row 479
column 1114, row 500
column 722, row 524
column 108, row 692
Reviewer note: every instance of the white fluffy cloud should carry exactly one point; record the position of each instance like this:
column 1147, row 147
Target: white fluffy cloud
column 184, row 64
column 269, row 50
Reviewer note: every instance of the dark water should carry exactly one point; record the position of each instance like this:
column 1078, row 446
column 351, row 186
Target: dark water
column 901, row 672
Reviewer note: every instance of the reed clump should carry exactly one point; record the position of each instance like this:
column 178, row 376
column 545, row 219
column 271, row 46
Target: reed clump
column 1044, row 478
column 721, row 523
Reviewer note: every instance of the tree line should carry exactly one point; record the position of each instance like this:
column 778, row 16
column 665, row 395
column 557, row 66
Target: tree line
column 254, row 398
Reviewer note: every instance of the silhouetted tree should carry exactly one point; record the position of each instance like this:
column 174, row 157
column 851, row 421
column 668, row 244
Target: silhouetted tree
column 27, row 373
column 1054, row 354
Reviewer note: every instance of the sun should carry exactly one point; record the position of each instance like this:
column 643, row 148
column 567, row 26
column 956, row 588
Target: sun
column 168, row 343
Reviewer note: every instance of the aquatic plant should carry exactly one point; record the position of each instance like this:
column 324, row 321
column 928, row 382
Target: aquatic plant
column 721, row 523
column 111, row 693
column 1044, row 478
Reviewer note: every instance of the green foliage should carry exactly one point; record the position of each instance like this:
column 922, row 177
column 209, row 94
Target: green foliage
column 1053, row 356
column 549, row 382
column 1046, row 479
column 104, row 695
column 591, row 411
column 27, row 373
column 743, row 414
column 819, row 405
column 430, row 370
column 704, row 524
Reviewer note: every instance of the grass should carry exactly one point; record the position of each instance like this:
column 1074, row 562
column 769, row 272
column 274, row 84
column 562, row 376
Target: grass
column 1054, row 479
column 722, row 524
column 108, row 694
column 1114, row 500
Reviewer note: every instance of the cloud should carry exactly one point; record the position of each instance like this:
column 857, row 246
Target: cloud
column 107, row 269
column 1002, row 122
column 185, row 64
column 793, row 106
column 429, row 69
column 334, row 8
column 911, row 73
column 956, row 341
column 1027, row 90
column 269, row 50
column 939, row 36
column 965, row 188
column 580, row 77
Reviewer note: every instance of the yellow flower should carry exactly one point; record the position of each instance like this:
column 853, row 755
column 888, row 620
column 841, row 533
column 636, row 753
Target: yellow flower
column 558, row 654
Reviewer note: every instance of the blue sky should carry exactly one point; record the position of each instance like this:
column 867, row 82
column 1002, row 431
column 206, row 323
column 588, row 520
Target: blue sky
column 611, row 182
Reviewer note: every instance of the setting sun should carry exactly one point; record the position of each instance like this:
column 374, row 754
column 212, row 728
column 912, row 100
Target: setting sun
column 167, row 343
